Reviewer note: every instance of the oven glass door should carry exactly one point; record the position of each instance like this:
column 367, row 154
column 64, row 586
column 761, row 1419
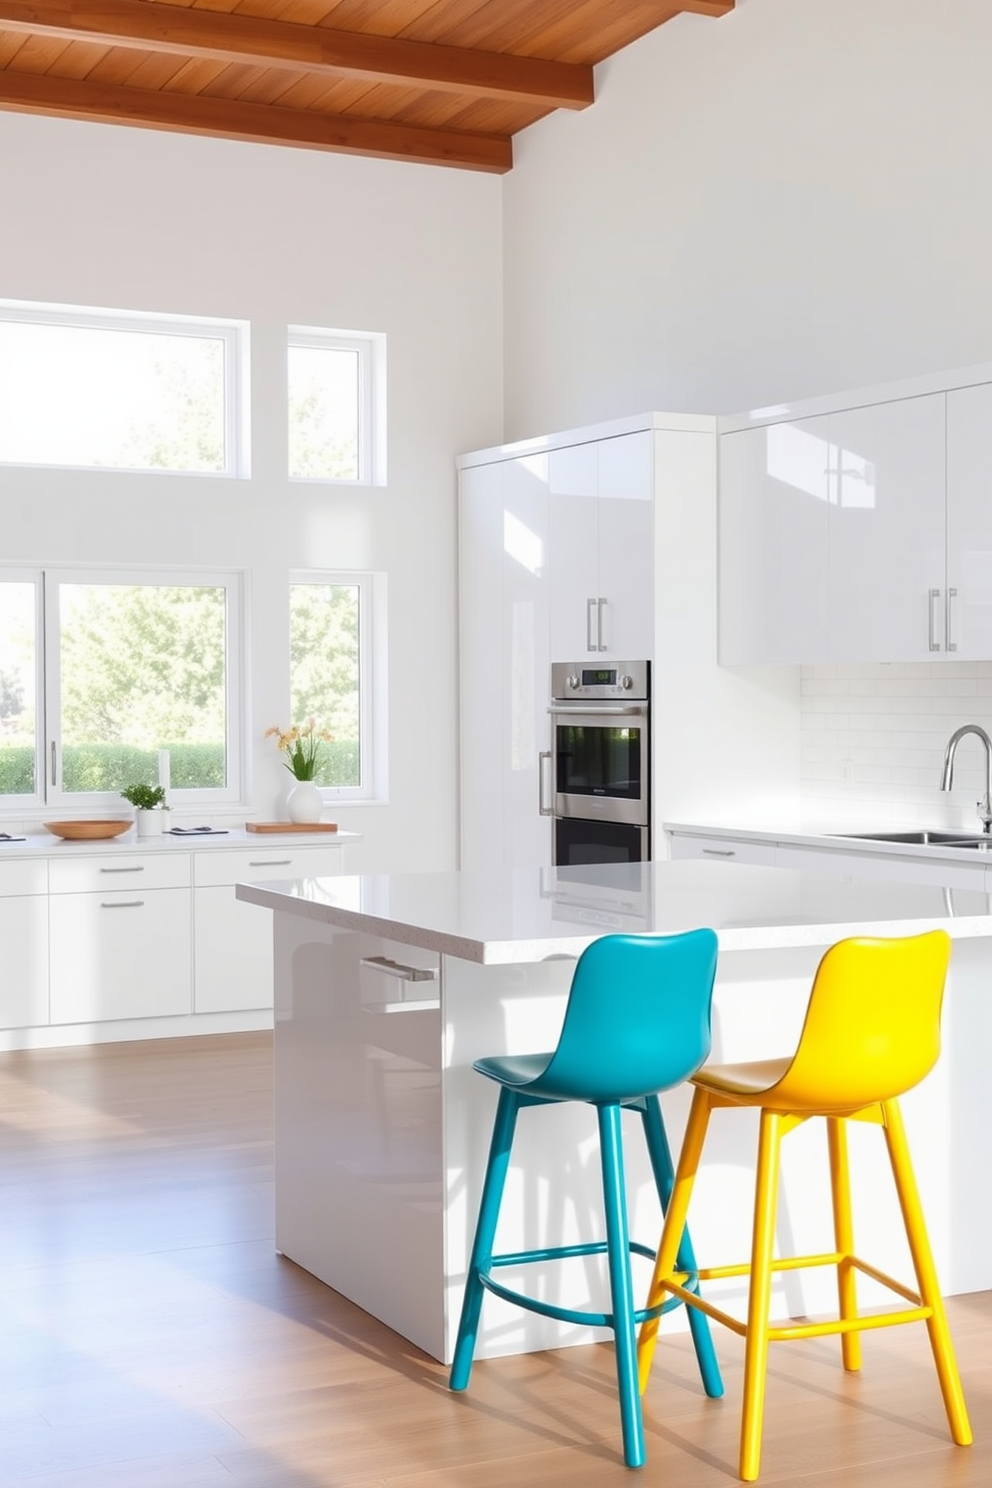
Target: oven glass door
column 578, row 842
column 598, row 760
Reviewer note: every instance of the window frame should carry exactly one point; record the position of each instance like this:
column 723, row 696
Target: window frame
column 235, row 334
column 372, row 703
column 49, row 794
column 370, row 348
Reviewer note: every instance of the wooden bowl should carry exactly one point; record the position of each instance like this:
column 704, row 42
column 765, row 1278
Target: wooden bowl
column 87, row 831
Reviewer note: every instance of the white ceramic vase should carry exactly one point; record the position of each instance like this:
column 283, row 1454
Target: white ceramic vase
column 149, row 823
column 304, row 802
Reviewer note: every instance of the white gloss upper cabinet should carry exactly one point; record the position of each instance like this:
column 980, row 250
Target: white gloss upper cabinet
column 601, row 524
column 773, row 543
column 524, row 727
column 968, row 595
column 886, row 530
column 573, row 514
column 481, row 659
column 504, row 646
column 832, row 536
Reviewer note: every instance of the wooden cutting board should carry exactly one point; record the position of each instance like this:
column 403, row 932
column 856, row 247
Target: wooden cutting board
column 291, row 826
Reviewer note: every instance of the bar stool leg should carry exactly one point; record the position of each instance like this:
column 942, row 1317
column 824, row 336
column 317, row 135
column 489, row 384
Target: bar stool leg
column 840, row 1192
column 674, row 1227
column 926, row 1274
column 664, row 1175
column 621, row 1285
column 485, row 1234
column 760, row 1296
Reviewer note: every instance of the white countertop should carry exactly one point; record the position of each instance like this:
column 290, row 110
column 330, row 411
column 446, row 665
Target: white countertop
column 44, row 844
column 532, row 914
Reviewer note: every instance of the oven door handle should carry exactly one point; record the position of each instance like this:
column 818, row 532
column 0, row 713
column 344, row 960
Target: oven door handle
column 608, row 710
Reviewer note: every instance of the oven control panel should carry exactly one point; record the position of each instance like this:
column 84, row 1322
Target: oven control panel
column 622, row 679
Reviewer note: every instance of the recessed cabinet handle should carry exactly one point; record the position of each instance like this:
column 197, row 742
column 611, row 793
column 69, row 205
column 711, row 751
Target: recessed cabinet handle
column 123, row 904
column 934, row 597
column 398, row 970
column 949, row 645
column 719, row 852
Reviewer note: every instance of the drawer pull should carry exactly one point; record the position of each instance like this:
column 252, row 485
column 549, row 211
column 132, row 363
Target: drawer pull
column 719, row 852
column 138, row 868
column 123, row 904
column 398, row 970
column 269, row 862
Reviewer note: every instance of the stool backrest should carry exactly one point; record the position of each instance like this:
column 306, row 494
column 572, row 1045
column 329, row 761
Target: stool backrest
column 638, row 1017
column 872, row 1026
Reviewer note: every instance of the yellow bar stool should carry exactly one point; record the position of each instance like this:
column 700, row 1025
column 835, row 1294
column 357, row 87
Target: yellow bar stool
column 872, row 1031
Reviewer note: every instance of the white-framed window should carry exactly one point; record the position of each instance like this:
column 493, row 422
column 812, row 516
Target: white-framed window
column 336, row 405
column 101, row 671
column 116, row 390
column 337, row 676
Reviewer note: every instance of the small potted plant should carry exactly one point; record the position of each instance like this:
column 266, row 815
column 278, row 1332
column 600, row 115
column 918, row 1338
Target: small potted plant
column 302, row 746
column 149, row 807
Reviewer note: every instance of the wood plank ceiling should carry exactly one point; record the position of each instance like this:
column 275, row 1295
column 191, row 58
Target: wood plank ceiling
column 443, row 82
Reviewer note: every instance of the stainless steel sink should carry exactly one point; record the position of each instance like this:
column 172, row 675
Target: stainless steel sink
column 923, row 837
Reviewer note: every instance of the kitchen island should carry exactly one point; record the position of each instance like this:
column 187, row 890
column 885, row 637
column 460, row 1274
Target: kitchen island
column 389, row 986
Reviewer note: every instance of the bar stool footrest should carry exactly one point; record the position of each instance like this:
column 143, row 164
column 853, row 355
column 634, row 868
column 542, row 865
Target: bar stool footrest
column 573, row 1315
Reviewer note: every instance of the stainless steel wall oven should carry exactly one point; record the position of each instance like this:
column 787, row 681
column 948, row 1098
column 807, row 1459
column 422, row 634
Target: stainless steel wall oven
column 600, row 762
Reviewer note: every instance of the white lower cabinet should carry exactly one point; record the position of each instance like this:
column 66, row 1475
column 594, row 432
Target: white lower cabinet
column 24, row 937
column 723, row 850
column 232, row 941
column 881, row 865
column 91, row 938
column 120, row 954
column 120, row 938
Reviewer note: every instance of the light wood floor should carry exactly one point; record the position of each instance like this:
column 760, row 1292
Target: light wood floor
column 151, row 1338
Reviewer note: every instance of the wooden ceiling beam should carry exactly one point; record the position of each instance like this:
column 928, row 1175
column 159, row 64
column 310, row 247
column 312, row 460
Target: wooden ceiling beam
column 707, row 7
column 263, row 123
column 147, row 26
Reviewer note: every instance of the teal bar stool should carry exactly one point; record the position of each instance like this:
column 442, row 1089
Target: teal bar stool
column 637, row 1022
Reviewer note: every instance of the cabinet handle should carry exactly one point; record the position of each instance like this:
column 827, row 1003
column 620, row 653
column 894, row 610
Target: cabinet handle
column 590, row 606
column 934, row 643
column 123, row 904
column 949, row 645
column 138, row 868
column 269, row 862
column 599, row 624
column 542, row 758
column 398, row 970
column 719, row 852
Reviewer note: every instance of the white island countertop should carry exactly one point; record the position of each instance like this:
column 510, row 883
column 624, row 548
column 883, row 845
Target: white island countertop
column 531, row 914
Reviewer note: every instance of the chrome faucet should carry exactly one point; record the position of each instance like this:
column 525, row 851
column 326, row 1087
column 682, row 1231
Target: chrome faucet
column 984, row 806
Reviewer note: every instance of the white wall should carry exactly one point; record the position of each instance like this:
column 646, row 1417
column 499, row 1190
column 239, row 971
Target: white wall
column 783, row 202
column 98, row 215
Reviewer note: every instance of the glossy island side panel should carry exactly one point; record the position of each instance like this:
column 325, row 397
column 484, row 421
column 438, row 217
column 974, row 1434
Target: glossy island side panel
column 358, row 1125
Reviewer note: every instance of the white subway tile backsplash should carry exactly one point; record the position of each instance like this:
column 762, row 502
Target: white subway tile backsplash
column 873, row 741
